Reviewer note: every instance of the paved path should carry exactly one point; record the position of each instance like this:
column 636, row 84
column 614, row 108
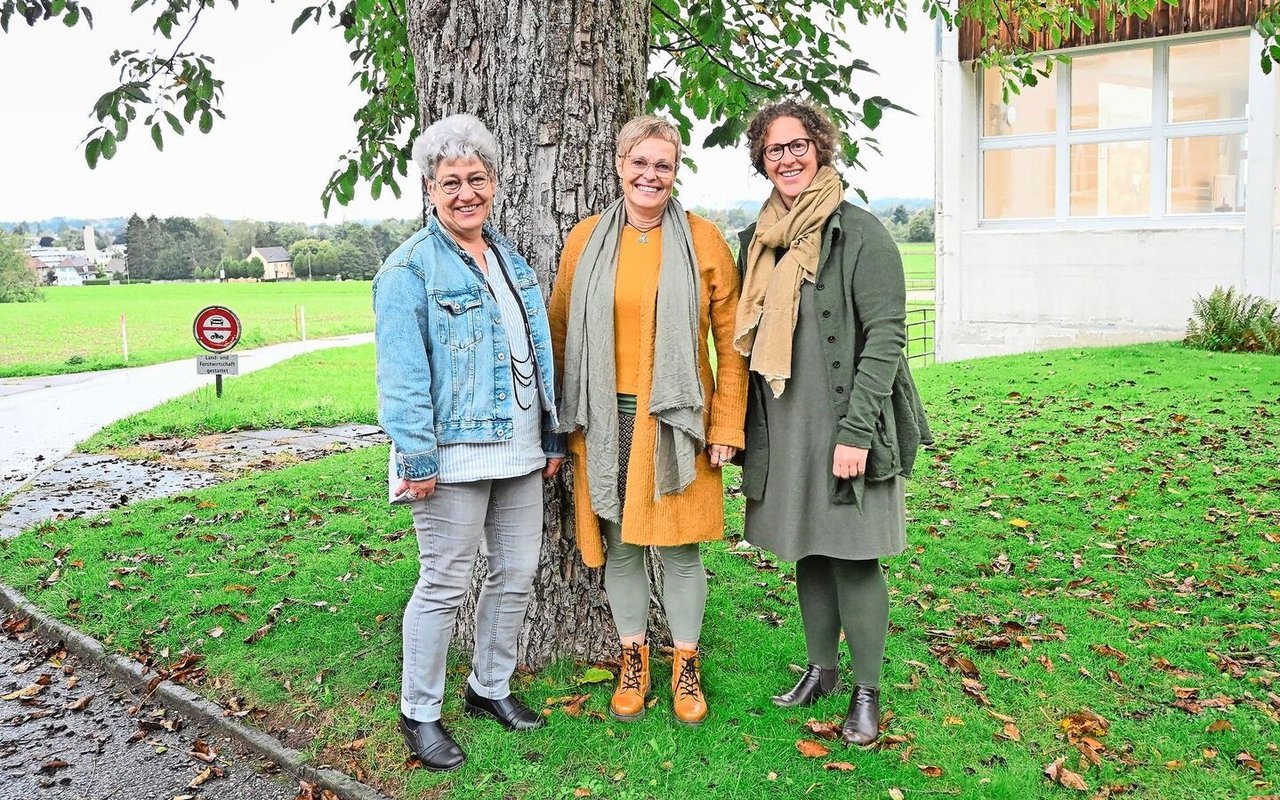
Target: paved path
column 71, row 733
column 42, row 419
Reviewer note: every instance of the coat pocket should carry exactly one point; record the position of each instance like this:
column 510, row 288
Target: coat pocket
column 884, row 460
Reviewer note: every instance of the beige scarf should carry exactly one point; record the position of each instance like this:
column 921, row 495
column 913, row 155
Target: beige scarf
column 770, row 298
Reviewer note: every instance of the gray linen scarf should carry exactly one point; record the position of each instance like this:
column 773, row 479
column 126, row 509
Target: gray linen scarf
column 590, row 375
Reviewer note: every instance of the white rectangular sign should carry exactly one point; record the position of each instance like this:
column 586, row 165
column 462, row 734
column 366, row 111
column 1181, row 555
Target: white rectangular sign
column 218, row 364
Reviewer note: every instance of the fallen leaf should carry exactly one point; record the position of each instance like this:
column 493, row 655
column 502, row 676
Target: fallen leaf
column 842, row 766
column 201, row 751
column 930, row 771
column 259, row 634
column 1019, row 523
column 53, row 766
column 1248, row 762
column 81, row 704
column 896, row 794
column 1010, row 732
column 215, row 632
column 825, row 730
column 25, row 693
column 595, row 675
column 1108, row 650
column 811, row 749
column 1219, row 725
column 240, row 587
column 952, row 721
column 1064, row 777
column 582, row 791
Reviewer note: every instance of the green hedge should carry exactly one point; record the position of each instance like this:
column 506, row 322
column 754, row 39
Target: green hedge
column 97, row 282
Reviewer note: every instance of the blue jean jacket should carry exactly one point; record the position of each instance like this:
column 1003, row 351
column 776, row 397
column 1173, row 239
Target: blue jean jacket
column 443, row 372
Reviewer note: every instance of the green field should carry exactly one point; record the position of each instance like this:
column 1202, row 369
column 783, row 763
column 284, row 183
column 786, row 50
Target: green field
column 918, row 263
column 1091, row 576
column 77, row 328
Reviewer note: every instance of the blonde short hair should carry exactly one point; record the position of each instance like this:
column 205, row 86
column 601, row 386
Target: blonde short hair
column 647, row 127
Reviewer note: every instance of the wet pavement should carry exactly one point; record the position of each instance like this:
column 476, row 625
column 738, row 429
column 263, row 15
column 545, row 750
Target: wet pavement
column 82, row 485
column 69, row 732
column 42, row 419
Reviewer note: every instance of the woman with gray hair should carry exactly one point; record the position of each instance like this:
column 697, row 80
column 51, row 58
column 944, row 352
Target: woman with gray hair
column 465, row 392
column 651, row 420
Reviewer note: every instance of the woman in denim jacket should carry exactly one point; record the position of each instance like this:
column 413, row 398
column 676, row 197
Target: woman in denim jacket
column 465, row 392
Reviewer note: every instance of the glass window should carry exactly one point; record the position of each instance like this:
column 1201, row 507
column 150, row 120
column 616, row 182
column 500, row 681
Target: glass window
column 1209, row 80
column 1018, row 183
column 1207, row 174
column 1111, row 90
column 1033, row 110
column 1112, row 179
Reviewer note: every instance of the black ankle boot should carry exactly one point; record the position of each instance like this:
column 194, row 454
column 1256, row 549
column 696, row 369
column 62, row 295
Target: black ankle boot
column 432, row 744
column 816, row 682
column 862, row 724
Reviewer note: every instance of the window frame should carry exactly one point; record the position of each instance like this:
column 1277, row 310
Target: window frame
column 1158, row 135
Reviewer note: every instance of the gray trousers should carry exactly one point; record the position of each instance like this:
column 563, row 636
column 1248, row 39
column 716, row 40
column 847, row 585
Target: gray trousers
column 502, row 519
column 626, row 581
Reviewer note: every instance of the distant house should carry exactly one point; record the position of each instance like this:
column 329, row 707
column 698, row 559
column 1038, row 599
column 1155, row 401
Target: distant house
column 82, row 265
column 1092, row 207
column 116, row 265
column 67, row 276
column 277, row 263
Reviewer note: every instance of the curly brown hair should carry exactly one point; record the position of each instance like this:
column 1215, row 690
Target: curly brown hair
column 815, row 121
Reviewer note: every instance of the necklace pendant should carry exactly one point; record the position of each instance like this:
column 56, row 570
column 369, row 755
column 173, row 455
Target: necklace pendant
column 644, row 237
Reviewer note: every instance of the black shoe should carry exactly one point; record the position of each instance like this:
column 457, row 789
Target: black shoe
column 509, row 712
column 432, row 745
column 816, row 682
column 862, row 724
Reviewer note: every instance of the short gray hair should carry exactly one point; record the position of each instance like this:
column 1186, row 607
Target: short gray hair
column 456, row 137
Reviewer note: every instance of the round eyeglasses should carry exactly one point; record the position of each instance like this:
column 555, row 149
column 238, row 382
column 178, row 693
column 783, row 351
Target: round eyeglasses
column 798, row 147
column 479, row 182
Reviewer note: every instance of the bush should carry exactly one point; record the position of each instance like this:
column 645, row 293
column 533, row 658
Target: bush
column 1233, row 323
column 920, row 228
column 97, row 282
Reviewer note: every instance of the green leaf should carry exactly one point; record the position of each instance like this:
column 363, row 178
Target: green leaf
column 157, row 136
column 302, row 19
column 108, row 145
column 206, row 121
column 871, row 113
column 173, row 122
column 91, row 152
column 594, row 675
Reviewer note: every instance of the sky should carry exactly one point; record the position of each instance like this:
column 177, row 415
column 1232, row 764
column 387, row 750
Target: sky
column 289, row 107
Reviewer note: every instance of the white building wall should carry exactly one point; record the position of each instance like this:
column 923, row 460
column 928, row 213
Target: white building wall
column 1010, row 289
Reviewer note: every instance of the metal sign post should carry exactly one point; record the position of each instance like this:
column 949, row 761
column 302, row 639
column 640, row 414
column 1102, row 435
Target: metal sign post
column 217, row 329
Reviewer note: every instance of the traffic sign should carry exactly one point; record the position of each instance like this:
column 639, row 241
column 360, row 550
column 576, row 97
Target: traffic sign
column 217, row 329
column 218, row 364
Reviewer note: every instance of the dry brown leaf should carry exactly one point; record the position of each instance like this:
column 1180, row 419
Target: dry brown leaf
column 1064, row 777
column 1010, row 732
column 53, row 766
column 811, row 749
column 1248, row 762
column 931, row 771
column 582, row 791
column 25, row 693
column 259, row 634
column 240, row 587
column 949, row 721
column 574, row 707
column 201, row 751
column 896, row 794
column 1045, row 662
column 842, row 766
column 1218, row 725
column 81, row 704
column 823, row 730
column 999, row 716
column 1108, row 650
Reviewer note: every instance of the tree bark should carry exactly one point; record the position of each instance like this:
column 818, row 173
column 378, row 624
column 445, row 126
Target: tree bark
column 554, row 80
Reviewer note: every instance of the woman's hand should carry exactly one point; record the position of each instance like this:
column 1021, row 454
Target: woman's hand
column 721, row 454
column 553, row 466
column 416, row 490
column 848, row 462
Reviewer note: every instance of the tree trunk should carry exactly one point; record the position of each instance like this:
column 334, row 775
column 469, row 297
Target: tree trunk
column 554, row 80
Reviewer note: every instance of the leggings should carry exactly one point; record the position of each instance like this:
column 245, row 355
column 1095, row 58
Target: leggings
column 684, row 586
column 837, row 593
column 626, row 581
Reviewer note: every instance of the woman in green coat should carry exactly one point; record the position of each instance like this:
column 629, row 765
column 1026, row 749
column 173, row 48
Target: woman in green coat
column 833, row 420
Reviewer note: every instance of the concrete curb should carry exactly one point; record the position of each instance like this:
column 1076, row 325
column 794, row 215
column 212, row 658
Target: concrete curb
column 186, row 702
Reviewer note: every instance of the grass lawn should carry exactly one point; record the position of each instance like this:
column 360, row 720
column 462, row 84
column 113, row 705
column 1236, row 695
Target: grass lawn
column 77, row 328
column 1092, row 576
column 918, row 263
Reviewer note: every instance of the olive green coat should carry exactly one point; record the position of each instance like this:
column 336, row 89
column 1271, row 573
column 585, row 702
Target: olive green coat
column 861, row 296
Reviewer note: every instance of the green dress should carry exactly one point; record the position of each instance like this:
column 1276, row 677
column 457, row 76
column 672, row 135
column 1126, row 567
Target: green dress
column 795, row 517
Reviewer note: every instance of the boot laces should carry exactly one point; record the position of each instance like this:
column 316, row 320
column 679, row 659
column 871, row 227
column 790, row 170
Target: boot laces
column 632, row 669
column 687, row 682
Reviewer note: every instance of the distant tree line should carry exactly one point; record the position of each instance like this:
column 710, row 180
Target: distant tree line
column 180, row 248
column 909, row 226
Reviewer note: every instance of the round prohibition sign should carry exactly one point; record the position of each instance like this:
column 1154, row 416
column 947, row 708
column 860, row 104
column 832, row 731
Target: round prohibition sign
column 217, row 329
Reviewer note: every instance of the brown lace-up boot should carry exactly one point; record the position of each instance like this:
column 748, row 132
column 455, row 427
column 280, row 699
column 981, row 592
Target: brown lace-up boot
column 629, row 698
column 688, row 702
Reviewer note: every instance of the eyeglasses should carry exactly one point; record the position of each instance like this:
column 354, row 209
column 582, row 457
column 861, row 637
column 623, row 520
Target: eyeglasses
column 798, row 147
column 663, row 169
column 479, row 182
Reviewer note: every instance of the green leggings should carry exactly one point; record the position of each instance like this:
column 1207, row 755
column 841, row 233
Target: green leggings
column 837, row 593
column 626, row 581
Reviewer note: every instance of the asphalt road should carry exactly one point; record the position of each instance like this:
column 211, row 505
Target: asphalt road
column 67, row 732
column 42, row 419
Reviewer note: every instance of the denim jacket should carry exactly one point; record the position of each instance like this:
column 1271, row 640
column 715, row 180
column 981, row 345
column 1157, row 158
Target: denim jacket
column 443, row 372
